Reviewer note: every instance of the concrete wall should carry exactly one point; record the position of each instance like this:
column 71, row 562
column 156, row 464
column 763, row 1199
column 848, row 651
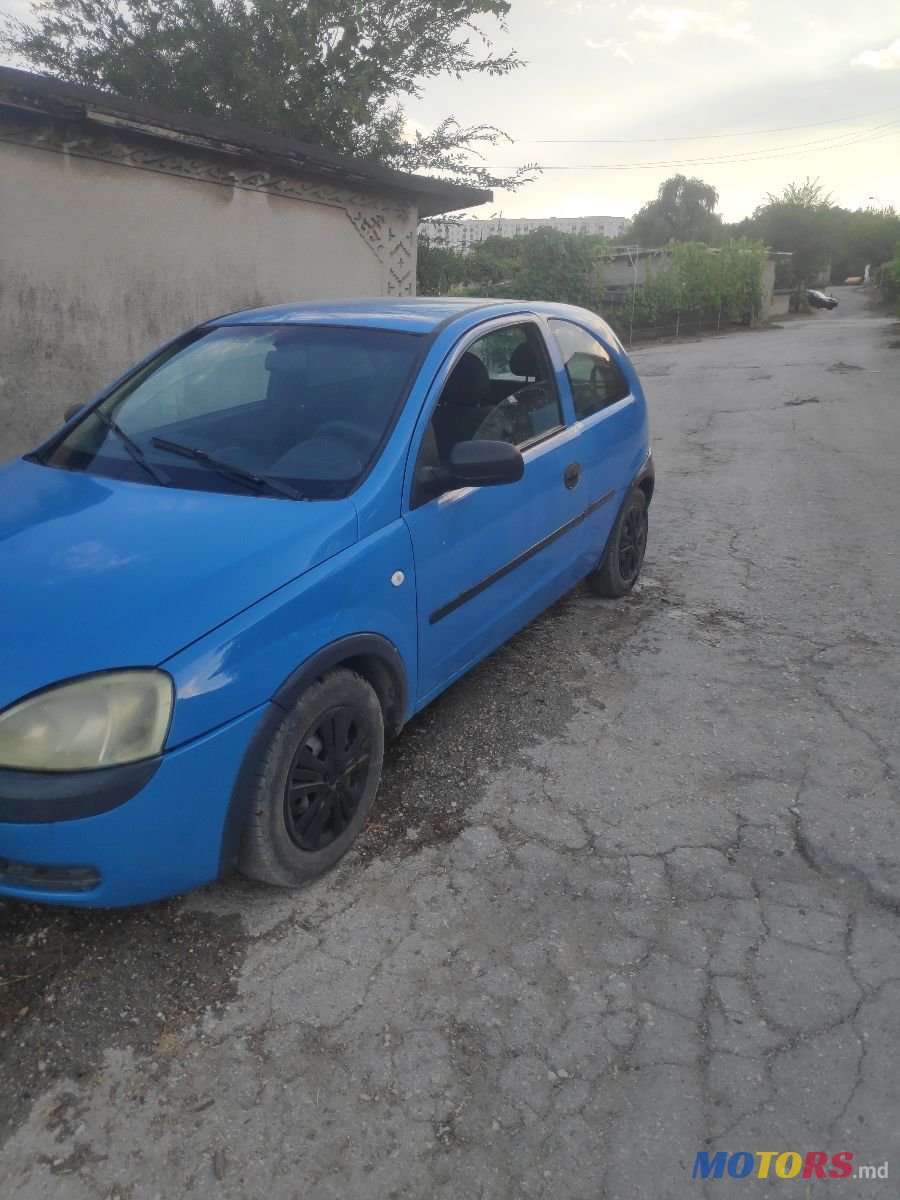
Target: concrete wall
column 768, row 288
column 622, row 273
column 100, row 261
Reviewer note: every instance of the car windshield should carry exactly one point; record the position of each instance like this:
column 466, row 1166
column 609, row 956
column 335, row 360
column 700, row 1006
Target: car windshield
column 282, row 411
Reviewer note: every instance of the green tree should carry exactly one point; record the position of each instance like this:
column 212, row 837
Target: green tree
column 330, row 72
column 799, row 220
column 557, row 266
column 864, row 237
column 683, row 211
column 438, row 270
column 491, row 263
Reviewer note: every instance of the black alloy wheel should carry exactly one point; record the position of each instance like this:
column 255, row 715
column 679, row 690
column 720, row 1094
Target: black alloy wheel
column 314, row 781
column 618, row 570
column 327, row 777
column 632, row 544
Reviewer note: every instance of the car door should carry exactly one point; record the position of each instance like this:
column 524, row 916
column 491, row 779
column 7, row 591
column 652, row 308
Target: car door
column 609, row 425
column 488, row 559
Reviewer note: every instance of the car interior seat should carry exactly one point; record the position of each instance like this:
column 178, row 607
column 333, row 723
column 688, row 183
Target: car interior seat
column 464, row 403
column 523, row 361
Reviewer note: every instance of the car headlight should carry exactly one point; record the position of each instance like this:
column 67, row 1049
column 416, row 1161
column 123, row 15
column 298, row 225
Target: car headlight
column 98, row 721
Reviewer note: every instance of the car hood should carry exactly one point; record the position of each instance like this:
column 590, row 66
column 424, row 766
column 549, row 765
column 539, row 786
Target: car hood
column 99, row 573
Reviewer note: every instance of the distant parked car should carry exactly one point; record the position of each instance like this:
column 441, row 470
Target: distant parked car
column 238, row 570
column 820, row 300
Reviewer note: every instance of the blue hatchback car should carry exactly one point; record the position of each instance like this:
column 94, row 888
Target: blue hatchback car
column 258, row 553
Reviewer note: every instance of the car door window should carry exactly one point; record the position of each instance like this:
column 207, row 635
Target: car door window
column 596, row 380
column 502, row 389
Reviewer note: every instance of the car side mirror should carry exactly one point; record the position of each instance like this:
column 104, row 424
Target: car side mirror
column 71, row 409
column 485, row 463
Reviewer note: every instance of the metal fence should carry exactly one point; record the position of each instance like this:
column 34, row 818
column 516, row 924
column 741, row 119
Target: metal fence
column 619, row 311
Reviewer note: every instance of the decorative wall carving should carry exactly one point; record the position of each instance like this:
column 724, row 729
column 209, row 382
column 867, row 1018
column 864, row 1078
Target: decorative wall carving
column 385, row 224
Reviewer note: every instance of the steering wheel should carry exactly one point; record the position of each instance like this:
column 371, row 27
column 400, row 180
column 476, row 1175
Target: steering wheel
column 355, row 436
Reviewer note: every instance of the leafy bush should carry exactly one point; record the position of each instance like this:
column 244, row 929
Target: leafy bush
column 438, row 270
column 542, row 265
column 561, row 267
column 890, row 276
column 693, row 280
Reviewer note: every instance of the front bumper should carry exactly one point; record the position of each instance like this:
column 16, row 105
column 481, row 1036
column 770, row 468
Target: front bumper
column 165, row 839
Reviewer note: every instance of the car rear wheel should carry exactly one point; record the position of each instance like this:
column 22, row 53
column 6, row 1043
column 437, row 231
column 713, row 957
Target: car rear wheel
column 621, row 565
column 316, row 782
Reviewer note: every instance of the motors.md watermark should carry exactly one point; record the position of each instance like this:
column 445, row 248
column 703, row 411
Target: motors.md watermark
column 784, row 1164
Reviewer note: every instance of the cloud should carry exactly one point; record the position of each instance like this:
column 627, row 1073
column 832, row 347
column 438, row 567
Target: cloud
column 411, row 128
column 669, row 24
column 887, row 59
column 619, row 48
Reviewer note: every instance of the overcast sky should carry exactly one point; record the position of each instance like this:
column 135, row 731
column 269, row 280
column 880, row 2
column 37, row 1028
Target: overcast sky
column 628, row 70
column 636, row 71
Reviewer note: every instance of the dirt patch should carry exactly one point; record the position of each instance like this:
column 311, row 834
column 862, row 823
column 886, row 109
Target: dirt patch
column 797, row 400
column 75, row 981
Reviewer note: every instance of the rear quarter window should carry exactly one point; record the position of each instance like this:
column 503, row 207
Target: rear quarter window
column 595, row 379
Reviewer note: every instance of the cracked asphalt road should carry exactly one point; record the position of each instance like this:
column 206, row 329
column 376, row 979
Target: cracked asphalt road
column 631, row 889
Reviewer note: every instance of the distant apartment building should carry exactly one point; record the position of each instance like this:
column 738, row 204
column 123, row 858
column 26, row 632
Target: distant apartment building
column 460, row 235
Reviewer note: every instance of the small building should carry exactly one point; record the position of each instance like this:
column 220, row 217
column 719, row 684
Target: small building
column 122, row 223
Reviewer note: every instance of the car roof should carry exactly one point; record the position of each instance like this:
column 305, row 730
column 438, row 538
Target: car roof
column 411, row 314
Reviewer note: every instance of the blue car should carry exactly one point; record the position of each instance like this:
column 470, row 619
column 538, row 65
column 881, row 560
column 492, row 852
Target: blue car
column 245, row 564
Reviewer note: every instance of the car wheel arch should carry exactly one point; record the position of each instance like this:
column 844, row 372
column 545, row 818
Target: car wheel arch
column 645, row 478
column 371, row 656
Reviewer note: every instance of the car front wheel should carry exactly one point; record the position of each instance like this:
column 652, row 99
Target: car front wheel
column 621, row 564
column 315, row 783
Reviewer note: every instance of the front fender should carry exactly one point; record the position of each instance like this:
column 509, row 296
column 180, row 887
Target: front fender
column 252, row 659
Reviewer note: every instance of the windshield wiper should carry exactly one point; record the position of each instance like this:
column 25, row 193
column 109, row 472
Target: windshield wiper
column 133, row 448
column 226, row 468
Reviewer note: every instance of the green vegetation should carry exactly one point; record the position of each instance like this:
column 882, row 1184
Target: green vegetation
column 697, row 282
column 692, row 280
column 890, row 277
column 689, row 281
column 558, row 266
column 328, row 72
column 438, row 271
column 798, row 220
column 543, row 265
column 683, row 211
column 821, row 236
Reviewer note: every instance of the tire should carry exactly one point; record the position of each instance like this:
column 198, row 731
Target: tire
column 308, row 805
column 624, row 556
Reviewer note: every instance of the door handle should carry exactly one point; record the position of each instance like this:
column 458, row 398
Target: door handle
column 572, row 475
